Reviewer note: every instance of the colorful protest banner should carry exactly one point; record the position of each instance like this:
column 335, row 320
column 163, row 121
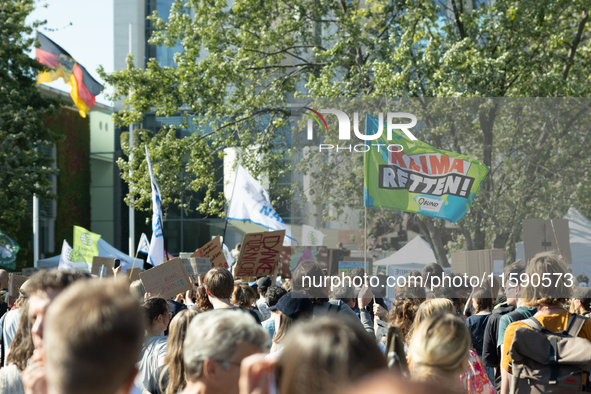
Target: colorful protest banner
column 8, row 250
column 15, row 283
column 166, row 280
column 292, row 256
column 260, row 253
column 213, row 251
column 85, row 245
column 413, row 176
column 347, row 264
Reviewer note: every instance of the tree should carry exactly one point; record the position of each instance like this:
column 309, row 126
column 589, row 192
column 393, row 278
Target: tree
column 242, row 64
column 23, row 136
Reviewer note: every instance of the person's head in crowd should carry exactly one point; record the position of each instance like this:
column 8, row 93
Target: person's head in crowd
column 481, row 300
column 389, row 383
column 23, row 294
column 357, row 272
column 413, row 286
column 414, row 279
column 309, row 279
column 157, row 315
column 325, row 356
column 273, row 294
column 21, row 347
column 174, row 353
column 292, row 307
column 581, row 301
column 450, row 294
column 263, row 285
column 430, row 307
column 215, row 345
column 137, row 289
column 583, row 280
column 45, row 286
column 287, row 285
column 238, row 246
column 219, row 284
column 243, row 296
column 429, row 272
column 439, row 350
column 194, row 286
column 345, row 293
column 202, row 300
column 513, row 285
column 93, row 337
column 511, row 268
column 559, row 291
column 402, row 313
column 339, row 245
column 240, row 282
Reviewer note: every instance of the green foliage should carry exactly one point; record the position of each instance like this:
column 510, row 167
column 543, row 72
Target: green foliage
column 241, row 65
column 23, row 134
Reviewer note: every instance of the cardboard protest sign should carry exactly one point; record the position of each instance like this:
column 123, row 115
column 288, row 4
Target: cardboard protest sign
column 260, row 253
column 31, row 270
column 542, row 236
column 133, row 273
column 166, row 280
column 349, row 263
column 479, row 262
column 196, row 265
column 15, row 283
column 102, row 266
column 334, row 256
column 213, row 251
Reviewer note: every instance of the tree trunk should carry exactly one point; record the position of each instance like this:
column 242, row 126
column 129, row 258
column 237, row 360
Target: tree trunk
column 436, row 243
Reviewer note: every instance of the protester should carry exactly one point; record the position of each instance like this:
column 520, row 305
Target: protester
column 402, row 314
column 292, row 307
column 235, row 253
column 550, row 313
column 10, row 321
column 476, row 323
column 389, row 383
column 263, row 285
column 440, row 350
column 306, row 278
column 244, row 297
column 346, row 294
column 215, row 345
column 96, row 354
column 428, row 273
column 202, row 300
column 272, row 296
column 138, row 290
column 219, row 285
column 491, row 352
column 170, row 377
column 157, row 315
column 581, row 301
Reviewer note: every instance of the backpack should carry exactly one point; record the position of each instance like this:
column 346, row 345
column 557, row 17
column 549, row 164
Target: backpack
column 549, row 362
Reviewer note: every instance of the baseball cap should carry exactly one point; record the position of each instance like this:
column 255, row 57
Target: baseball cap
column 293, row 303
column 264, row 282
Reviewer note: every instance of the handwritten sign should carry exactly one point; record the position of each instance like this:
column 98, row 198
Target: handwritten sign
column 260, row 253
column 166, row 280
column 213, row 251
column 16, row 281
column 102, row 266
column 196, row 265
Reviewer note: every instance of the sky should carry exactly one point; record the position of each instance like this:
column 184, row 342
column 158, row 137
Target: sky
column 88, row 39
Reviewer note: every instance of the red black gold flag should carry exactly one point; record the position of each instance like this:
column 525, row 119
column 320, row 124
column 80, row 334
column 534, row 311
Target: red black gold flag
column 84, row 86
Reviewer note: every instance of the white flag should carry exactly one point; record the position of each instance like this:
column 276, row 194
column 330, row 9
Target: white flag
column 311, row 236
column 229, row 259
column 251, row 203
column 66, row 262
column 156, row 251
column 144, row 245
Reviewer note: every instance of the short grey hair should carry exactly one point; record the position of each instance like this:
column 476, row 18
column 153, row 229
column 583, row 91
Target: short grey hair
column 215, row 334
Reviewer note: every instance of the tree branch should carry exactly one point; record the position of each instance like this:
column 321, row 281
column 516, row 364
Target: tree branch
column 575, row 44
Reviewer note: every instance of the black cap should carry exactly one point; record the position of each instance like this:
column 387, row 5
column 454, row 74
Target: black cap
column 264, row 283
column 292, row 303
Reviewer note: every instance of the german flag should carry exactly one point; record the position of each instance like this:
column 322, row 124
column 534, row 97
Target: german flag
column 84, row 86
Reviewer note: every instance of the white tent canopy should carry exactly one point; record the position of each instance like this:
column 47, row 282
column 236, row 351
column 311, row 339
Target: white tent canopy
column 105, row 250
column 580, row 243
column 415, row 255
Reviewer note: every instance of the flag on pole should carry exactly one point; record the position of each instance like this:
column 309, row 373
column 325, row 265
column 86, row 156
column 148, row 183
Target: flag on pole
column 85, row 245
column 251, row 203
column 311, row 236
column 65, row 258
column 156, row 251
column 229, row 259
column 144, row 245
column 412, row 176
column 61, row 64
column 8, row 250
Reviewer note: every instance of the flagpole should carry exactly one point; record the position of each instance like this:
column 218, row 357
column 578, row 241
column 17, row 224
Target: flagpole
column 131, row 211
column 133, row 265
column 229, row 205
column 365, row 241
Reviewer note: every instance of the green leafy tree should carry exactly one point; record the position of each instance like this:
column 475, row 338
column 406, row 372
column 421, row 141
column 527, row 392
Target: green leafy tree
column 23, row 135
column 242, row 64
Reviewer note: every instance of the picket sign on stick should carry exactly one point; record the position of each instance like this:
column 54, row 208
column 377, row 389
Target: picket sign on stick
column 260, row 253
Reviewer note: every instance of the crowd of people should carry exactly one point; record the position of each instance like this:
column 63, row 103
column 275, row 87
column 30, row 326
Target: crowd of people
column 69, row 333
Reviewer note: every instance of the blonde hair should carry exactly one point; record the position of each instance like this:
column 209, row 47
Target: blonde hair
column 428, row 308
column 439, row 347
column 535, row 293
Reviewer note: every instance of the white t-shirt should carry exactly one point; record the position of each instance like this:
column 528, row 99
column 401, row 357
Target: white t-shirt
column 263, row 308
column 11, row 322
column 153, row 349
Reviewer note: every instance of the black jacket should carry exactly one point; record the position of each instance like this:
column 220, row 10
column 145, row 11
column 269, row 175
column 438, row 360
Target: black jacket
column 491, row 353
